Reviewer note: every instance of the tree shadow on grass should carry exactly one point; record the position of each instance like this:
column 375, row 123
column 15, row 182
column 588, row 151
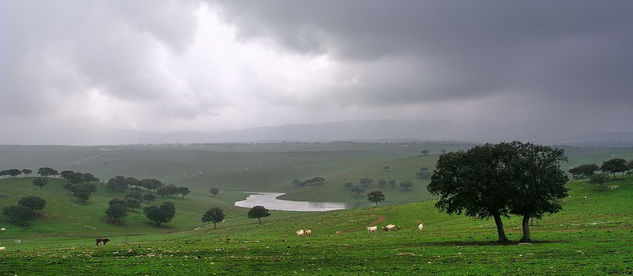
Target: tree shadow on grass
column 479, row 243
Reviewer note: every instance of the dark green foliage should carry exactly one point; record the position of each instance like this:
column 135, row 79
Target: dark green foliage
column 116, row 212
column 315, row 181
column 27, row 171
column 117, row 184
column 476, row 182
column 630, row 165
column 183, row 191
column 19, row 214
column 539, row 182
column 406, row 185
column 365, row 182
column 600, row 179
column 116, row 201
column 214, row 191
column 149, row 197
column 584, row 171
column 135, row 195
column 40, row 182
column 83, row 191
column 214, row 215
column 66, row 174
column 132, row 203
column 424, row 152
column 615, row 165
column 358, row 190
column 258, row 212
column 33, row 202
column 159, row 215
column 423, row 173
column 133, row 182
column 45, row 172
column 376, row 196
column 151, row 184
column 168, row 190
column 13, row 172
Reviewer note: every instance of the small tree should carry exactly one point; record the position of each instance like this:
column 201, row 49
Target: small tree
column 151, row 184
column 296, row 182
column 423, row 173
column 584, row 171
column 615, row 165
column 14, row 172
column 183, row 191
column 406, row 185
column 600, row 179
column 149, row 197
column 19, row 214
column 135, row 195
column 27, row 172
column 83, row 191
column 424, row 152
column 117, row 184
column 116, row 201
column 258, row 212
column 46, row 172
column 365, row 182
column 33, row 202
column 164, row 213
column 358, row 190
column 214, row 191
column 386, row 168
column 630, row 165
column 40, row 182
column 214, row 215
column 116, row 212
column 376, row 196
column 167, row 191
column 132, row 203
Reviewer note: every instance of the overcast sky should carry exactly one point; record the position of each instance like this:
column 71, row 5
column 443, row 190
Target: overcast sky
column 69, row 67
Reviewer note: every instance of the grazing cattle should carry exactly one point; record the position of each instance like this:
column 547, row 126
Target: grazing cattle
column 372, row 229
column 2, row 248
column 300, row 233
column 398, row 227
column 2, row 229
column 420, row 227
column 339, row 232
column 102, row 241
column 390, row 227
column 308, row 232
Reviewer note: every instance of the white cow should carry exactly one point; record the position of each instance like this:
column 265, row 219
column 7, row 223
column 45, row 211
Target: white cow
column 372, row 229
column 300, row 233
column 390, row 227
column 2, row 229
column 2, row 248
column 420, row 227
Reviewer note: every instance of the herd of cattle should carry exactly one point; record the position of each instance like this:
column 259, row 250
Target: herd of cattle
column 390, row 227
column 300, row 232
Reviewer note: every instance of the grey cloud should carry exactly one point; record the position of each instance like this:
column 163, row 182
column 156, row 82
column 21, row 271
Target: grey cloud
column 559, row 50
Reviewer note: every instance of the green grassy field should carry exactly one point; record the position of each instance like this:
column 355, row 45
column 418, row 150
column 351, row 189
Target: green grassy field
column 592, row 235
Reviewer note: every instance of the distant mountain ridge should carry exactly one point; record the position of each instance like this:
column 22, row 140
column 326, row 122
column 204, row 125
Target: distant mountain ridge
column 372, row 130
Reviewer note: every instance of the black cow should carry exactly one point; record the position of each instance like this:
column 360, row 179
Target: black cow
column 102, row 241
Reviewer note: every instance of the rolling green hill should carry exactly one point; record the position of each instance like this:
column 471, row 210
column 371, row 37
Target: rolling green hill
column 592, row 235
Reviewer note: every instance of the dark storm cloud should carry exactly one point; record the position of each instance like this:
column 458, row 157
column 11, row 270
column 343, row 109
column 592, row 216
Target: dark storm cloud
column 561, row 50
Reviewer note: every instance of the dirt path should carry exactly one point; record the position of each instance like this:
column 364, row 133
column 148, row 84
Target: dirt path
column 380, row 219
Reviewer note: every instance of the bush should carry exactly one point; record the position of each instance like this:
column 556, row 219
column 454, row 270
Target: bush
column 19, row 214
column 33, row 202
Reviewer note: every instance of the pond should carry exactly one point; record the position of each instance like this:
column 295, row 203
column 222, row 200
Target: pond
column 270, row 201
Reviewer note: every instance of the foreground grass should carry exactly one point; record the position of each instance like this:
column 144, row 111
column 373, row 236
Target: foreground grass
column 592, row 235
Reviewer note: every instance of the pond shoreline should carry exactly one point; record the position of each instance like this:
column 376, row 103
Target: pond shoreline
column 270, row 201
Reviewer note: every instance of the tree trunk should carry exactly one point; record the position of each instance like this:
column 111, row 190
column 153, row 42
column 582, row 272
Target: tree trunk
column 526, row 230
column 502, row 234
column 376, row 203
column 260, row 220
column 214, row 225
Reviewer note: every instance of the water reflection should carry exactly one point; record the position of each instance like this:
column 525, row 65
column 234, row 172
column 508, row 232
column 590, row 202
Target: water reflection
column 270, row 201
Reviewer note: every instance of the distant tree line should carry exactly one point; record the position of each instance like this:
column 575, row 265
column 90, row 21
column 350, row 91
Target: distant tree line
column 600, row 174
column 315, row 181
